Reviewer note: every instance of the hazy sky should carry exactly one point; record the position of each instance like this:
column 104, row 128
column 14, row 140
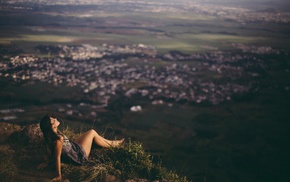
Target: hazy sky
column 234, row 1
column 280, row 4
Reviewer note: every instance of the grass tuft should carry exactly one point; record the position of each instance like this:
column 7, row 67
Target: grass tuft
column 8, row 168
column 122, row 163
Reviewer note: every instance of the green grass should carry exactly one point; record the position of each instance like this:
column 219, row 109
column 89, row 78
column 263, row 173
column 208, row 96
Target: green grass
column 129, row 162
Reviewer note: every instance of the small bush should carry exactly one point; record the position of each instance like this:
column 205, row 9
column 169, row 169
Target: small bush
column 130, row 162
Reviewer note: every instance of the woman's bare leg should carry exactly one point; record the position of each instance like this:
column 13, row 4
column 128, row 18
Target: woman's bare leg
column 86, row 140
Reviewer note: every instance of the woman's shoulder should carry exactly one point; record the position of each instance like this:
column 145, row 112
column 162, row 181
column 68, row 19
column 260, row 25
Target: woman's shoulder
column 61, row 136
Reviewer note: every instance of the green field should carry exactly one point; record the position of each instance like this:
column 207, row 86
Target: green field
column 182, row 31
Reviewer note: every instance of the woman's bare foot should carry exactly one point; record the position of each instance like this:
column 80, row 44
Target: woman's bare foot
column 117, row 143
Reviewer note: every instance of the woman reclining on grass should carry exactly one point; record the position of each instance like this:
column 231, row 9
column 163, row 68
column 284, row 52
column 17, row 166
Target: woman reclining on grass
column 60, row 147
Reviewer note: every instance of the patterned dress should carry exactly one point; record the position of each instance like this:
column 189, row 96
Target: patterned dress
column 72, row 152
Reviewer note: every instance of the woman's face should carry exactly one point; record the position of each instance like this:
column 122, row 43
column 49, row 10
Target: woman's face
column 54, row 123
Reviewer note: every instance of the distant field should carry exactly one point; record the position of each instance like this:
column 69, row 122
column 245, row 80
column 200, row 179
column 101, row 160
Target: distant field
column 182, row 32
column 181, row 42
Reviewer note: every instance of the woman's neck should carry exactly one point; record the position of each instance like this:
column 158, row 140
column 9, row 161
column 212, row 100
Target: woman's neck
column 55, row 130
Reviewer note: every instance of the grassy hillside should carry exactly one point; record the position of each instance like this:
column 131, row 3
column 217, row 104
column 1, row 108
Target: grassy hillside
column 20, row 157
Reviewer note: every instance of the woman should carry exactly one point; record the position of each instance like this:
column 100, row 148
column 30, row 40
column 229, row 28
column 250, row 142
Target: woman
column 60, row 147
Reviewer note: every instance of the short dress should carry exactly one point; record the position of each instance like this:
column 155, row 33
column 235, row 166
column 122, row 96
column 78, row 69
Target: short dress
column 72, row 152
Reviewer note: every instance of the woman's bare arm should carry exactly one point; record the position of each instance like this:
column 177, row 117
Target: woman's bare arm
column 58, row 148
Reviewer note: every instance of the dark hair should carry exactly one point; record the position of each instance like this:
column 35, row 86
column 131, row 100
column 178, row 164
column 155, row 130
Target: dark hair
column 49, row 136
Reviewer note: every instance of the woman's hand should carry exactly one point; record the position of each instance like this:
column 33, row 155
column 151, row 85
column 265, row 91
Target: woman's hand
column 58, row 178
column 42, row 165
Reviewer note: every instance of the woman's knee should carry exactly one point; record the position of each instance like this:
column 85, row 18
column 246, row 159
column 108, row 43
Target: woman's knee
column 92, row 131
